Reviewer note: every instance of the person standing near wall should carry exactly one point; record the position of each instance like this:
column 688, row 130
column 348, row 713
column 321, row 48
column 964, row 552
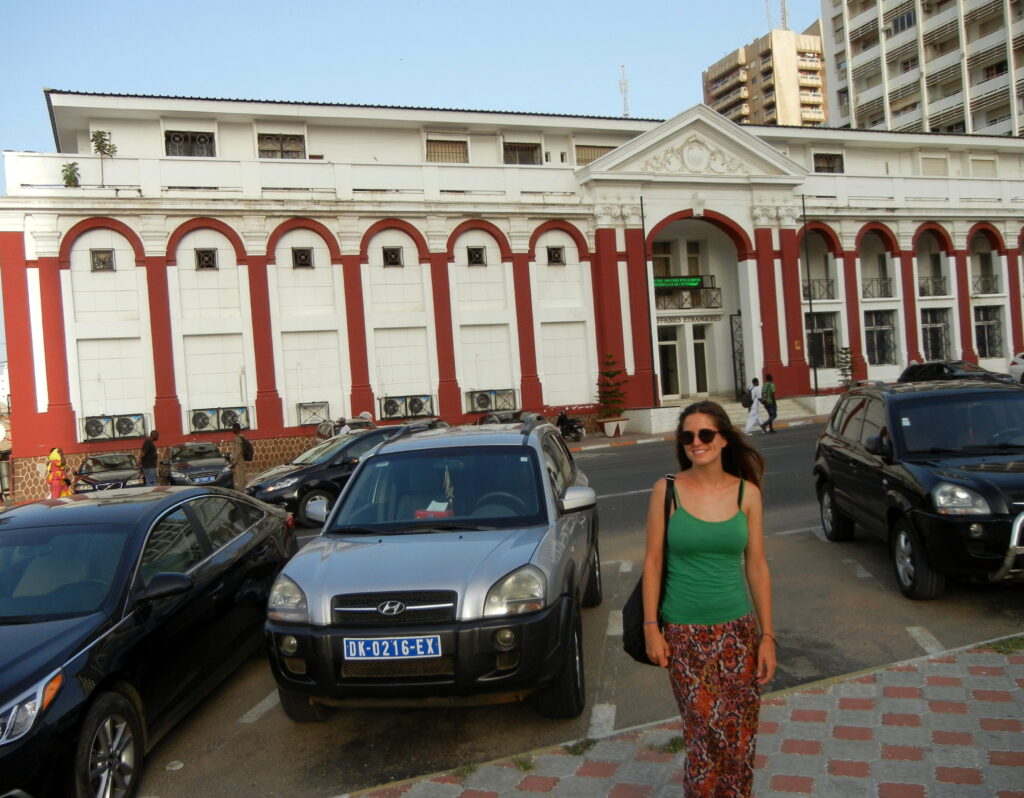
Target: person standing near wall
column 147, row 457
column 753, row 419
column 237, row 457
column 57, row 474
column 768, row 400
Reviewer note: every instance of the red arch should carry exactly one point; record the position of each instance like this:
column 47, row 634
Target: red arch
column 565, row 227
column 488, row 227
column 939, row 232
column 98, row 223
column 304, row 223
column 892, row 246
column 393, row 224
column 995, row 238
column 744, row 249
column 204, row 223
column 832, row 241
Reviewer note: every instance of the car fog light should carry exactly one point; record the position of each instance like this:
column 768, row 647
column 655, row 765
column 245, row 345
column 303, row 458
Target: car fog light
column 504, row 638
column 295, row 665
column 507, row 660
column 288, row 645
column 975, row 530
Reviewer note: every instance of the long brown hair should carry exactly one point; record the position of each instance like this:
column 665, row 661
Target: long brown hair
column 739, row 458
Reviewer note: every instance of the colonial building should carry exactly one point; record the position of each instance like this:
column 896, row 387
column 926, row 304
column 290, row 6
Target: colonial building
column 275, row 263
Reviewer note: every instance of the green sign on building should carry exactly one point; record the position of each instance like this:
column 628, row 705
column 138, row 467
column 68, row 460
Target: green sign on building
column 679, row 282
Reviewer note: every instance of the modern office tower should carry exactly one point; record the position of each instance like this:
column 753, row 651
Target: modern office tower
column 943, row 66
column 778, row 79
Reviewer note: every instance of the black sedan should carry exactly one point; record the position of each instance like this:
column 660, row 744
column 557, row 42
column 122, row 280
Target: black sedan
column 199, row 464
column 119, row 612
column 951, row 370
column 108, row 472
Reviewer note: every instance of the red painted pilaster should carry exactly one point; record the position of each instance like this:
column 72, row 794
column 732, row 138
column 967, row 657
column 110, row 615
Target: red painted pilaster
column 963, row 285
column 449, row 398
column 910, row 323
column 795, row 378
column 1013, row 289
column 604, row 267
column 269, row 411
column 530, row 391
column 765, row 259
column 166, row 407
column 858, row 366
column 361, row 396
column 60, row 416
column 642, row 390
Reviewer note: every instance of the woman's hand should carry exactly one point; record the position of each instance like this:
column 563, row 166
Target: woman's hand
column 657, row 647
column 765, row 659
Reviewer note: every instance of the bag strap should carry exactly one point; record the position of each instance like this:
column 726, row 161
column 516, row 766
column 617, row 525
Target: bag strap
column 739, row 498
column 670, row 505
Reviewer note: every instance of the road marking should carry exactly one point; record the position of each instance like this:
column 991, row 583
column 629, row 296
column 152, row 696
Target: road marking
column 615, row 623
column 860, row 570
column 261, row 709
column 602, row 721
column 925, row 639
column 801, row 531
column 624, row 493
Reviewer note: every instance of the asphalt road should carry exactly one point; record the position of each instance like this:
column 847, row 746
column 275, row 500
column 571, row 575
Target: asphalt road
column 837, row 610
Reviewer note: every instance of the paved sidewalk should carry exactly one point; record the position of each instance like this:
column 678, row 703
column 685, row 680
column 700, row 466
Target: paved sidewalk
column 942, row 726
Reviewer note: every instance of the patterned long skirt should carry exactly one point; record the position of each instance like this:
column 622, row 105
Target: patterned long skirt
column 714, row 678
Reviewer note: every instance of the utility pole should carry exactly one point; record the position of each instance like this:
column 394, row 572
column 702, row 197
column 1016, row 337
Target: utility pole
column 624, row 90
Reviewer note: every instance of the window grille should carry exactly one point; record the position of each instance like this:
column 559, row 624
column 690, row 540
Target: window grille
column 444, row 151
column 556, row 256
column 392, row 256
column 828, row 163
column 588, row 153
column 476, row 256
column 189, row 143
column 821, row 339
column 102, row 260
column 206, row 259
column 935, row 333
column 523, row 154
column 281, row 145
column 879, row 330
column 302, row 257
column 988, row 331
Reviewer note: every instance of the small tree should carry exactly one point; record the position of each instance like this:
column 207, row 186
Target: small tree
column 70, row 175
column 610, row 395
column 103, row 147
column 844, row 364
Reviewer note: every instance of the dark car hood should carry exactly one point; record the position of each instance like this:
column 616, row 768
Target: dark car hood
column 30, row 651
column 278, row 472
column 1004, row 472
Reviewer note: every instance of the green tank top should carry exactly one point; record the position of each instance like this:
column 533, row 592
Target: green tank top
column 704, row 582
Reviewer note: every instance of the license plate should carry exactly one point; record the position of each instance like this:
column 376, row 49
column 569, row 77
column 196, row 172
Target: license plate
column 201, row 480
column 413, row 647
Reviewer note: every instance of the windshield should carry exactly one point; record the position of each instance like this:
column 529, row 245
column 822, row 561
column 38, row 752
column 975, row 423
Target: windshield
column 107, row 462
column 46, row 574
column 455, row 488
column 200, row 451
column 961, row 421
column 325, row 450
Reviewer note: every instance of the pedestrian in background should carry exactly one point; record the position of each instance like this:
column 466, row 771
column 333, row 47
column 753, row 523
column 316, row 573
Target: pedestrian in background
column 147, row 458
column 701, row 625
column 753, row 419
column 236, row 457
column 58, row 476
column 768, row 400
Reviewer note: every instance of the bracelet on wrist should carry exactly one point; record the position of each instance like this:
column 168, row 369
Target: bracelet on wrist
column 765, row 634
column 648, row 623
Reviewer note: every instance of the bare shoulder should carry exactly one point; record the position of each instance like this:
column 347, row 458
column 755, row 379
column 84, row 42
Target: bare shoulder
column 751, row 493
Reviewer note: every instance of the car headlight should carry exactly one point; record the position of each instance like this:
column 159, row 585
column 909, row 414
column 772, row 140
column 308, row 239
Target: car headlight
column 521, row 591
column 287, row 601
column 177, row 469
column 17, row 717
column 281, row 484
column 953, row 499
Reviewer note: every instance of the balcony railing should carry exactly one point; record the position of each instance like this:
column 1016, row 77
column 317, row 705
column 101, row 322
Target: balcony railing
column 687, row 298
column 931, row 286
column 985, row 284
column 820, row 288
column 877, row 287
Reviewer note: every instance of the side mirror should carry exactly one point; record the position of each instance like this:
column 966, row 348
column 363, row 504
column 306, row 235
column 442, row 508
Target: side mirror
column 879, row 446
column 350, row 462
column 578, row 498
column 165, row 584
column 316, row 510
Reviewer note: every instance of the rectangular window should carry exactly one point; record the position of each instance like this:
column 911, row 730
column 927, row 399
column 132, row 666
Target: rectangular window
column 909, row 64
column 102, row 260
column 994, row 70
column 988, row 331
column 879, row 330
column 693, row 257
column 281, row 145
column 934, row 165
column 189, row 143
column 522, row 154
column 302, row 257
column 476, row 256
column 447, row 151
column 661, row 258
column 903, row 22
column 821, row 339
column 588, row 153
column 935, row 333
column 392, row 256
column 206, row 259
column 556, row 256
column 828, row 163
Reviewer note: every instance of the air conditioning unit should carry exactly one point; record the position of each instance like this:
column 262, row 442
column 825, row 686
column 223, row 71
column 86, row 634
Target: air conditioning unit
column 393, row 407
column 204, row 420
column 419, row 405
column 313, row 412
column 130, row 426
column 97, row 428
column 484, row 401
column 229, row 416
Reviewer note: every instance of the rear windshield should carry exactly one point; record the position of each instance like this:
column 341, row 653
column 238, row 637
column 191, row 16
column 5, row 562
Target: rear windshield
column 199, row 452
column 960, row 421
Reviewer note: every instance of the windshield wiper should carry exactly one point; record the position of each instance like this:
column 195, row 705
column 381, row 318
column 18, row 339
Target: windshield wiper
column 356, row 530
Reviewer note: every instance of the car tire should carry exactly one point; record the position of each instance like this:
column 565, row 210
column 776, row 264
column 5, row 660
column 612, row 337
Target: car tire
column 594, row 593
column 299, row 709
column 916, row 578
column 566, row 696
column 836, row 526
column 109, row 751
column 315, row 493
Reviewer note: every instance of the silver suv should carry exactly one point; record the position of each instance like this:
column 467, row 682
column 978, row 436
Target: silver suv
column 455, row 563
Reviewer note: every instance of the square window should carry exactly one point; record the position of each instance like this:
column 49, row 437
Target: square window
column 189, row 143
column 206, row 259
column 828, row 162
column 102, row 260
column 281, row 145
column 447, row 151
column 476, row 256
column 302, row 257
column 524, row 154
column 392, row 256
column 556, row 256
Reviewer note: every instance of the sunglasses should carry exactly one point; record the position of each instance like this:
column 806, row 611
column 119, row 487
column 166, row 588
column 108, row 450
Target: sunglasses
column 703, row 435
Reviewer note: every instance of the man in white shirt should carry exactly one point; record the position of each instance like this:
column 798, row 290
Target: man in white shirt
column 755, row 405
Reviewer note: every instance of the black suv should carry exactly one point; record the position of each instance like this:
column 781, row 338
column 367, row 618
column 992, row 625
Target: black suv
column 950, row 370
column 934, row 468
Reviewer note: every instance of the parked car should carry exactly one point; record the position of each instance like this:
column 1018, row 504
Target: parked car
column 950, row 370
column 322, row 471
column 936, row 469
column 454, row 564
column 503, row 417
column 108, row 472
column 1016, row 369
column 199, row 464
column 118, row 613
column 328, row 429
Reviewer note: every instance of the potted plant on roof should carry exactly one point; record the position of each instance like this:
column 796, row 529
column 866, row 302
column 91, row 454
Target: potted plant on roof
column 611, row 397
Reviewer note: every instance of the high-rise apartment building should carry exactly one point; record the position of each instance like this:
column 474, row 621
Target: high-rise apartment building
column 778, row 79
column 948, row 66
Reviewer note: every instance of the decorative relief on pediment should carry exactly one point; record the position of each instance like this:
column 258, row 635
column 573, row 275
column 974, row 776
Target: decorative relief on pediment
column 695, row 156
column 609, row 214
column 775, row 214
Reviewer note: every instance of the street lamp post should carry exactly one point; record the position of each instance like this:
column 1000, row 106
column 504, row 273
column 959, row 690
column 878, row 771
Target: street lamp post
column 810, row 291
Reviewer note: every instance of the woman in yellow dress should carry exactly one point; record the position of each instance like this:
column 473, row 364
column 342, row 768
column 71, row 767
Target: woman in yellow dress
column 57, row 475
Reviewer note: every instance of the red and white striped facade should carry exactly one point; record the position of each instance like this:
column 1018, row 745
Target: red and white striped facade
column 477, row 303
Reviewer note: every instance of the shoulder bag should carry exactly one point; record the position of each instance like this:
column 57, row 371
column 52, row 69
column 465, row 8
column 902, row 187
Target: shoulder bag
column 633, row 642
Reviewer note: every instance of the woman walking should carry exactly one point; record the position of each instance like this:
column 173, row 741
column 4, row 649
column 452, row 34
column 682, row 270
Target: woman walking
column 57, row 474
column 718, row 650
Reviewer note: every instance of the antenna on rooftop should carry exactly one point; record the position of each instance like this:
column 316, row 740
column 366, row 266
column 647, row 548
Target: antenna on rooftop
column 768, row 12
column 785, row 15
column 624, row 90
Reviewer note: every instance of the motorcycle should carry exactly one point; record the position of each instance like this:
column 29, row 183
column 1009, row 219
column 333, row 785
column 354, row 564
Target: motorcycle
column 571, row 428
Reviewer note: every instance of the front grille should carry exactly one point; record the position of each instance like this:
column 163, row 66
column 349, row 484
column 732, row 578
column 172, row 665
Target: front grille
column 409, row 668
column 424, row 606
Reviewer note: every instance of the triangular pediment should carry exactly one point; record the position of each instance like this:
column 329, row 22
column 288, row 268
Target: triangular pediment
column 698, row 143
